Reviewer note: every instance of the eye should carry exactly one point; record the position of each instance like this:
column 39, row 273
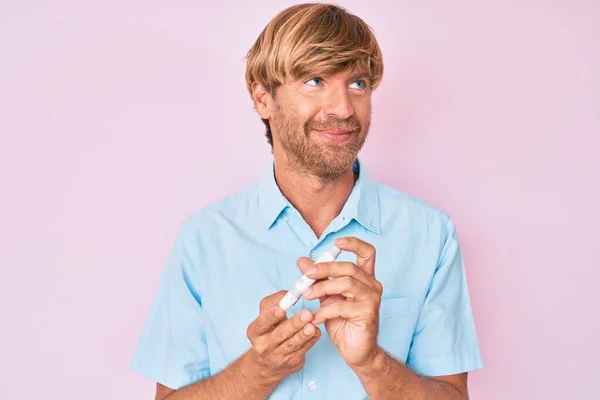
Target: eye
column 314, row 82
column 360, row 84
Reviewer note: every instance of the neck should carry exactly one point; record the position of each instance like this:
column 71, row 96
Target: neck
column 319, row 201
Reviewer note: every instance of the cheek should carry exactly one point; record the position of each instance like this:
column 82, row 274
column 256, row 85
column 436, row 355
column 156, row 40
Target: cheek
column 361, row 105
column 299, row 108
column 306, row 117
column 290, row 121
column 362, row 110
column 307, row 107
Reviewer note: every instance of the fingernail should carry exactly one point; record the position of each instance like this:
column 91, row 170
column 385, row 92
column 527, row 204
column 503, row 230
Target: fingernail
column 311, row 272
column 305, row 317
column 341, row 241
column 307, row 292
column 308, row 330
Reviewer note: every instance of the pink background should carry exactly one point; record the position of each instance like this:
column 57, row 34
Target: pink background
column 114, row 122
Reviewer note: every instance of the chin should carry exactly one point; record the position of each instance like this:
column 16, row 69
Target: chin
column 333, row 167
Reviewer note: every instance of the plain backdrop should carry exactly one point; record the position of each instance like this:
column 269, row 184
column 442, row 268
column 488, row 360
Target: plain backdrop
column 120, row 118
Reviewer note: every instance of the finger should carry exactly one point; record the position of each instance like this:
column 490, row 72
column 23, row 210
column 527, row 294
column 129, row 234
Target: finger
column 271, row 300
column 270, row 314
column 266, row 321
column 347, row 286
column 305, row 264
column 365, row 252
column 299, row 339
column 336, row 269
column 310, row 342
column 289, row 328
column 342, row 309
column 298, row 357
column 332, row 298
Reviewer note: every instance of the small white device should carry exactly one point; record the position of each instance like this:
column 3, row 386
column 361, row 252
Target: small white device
column 294, row 294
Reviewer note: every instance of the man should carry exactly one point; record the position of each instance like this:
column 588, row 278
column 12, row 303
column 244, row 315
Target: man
column 389, row 319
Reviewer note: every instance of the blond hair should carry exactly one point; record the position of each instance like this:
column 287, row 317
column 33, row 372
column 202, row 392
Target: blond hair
column 306, row 40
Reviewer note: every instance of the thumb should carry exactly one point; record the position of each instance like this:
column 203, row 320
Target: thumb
column 304, row 264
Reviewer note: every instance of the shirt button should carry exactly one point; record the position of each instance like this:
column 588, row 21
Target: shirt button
column 312, row 385
column 314, row 254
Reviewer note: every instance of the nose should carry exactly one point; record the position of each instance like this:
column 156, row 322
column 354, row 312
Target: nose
column 337, row 103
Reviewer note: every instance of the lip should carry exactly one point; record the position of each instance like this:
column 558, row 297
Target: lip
column 333, row 132
column 335, row 136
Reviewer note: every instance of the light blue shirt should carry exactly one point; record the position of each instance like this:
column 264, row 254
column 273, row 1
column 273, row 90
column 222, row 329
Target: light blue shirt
column 234, row 252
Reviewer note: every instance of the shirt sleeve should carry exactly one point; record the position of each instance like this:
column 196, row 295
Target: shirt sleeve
column 445, row 340
column 172, row 349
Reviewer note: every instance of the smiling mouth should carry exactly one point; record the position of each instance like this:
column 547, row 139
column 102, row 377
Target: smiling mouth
column 334, row 135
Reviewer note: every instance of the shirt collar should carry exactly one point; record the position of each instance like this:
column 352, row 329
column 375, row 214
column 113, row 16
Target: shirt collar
column 270, row 199
column 362, row 204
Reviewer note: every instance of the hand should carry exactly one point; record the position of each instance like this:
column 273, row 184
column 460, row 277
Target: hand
column 279, row 344
column 349, row 301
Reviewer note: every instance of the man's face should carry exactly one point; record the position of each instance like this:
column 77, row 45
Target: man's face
column 322, row 124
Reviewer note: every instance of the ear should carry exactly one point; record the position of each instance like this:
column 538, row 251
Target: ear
column 263, row 101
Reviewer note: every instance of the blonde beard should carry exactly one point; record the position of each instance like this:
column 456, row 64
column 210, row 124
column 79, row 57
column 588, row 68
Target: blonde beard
column 327, row 161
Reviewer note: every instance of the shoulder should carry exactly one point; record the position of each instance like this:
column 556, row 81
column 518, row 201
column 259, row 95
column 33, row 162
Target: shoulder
column 393, row 201
column 404, row 212
column 228, row 210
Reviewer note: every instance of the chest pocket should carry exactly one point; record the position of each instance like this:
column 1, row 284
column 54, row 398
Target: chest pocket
column 397, row 322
